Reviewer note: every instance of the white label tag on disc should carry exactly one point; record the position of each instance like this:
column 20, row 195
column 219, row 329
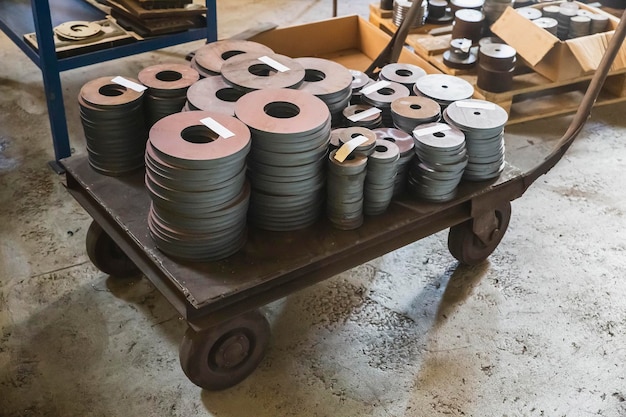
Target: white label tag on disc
column 273, row 63
column 375, row 87
column 486, row 105
column 217, row 128
column 347, row 148
column 432, row 129
column 364, row 114
column 129, row 84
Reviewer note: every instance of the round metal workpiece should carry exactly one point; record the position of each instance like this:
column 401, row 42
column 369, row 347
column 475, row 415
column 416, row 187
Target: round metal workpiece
column 167, row 86
column 493, row 9
column 599, row 23
column 246, row 72
column 212, row 56
column 213, row 94
column 579, row 26
column 438, row 12
column 112, row 117
column 371, row 122
column 529, row 13
column 551, row 11
column 548, row 23
column 401, row 9
column 493, row 80
column 466, row 4
column 409, row 112
column 344, row 191
column 468, row 24
column 384, row 96
column 443, row 88
column 477, row 116
column 77, row 30
column 405, row 74
column 367, row 147
column 497, row 56
column 382, row 167
column 460, row 55
column 405, row 144
column 290, row 137
column 359, row 81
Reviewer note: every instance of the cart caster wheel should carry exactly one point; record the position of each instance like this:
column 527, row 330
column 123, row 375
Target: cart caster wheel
column 468, row 248
column 107, row 256
column 224, row 355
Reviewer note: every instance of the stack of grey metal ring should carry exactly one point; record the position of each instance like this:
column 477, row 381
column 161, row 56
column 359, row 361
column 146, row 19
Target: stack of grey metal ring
column 382, row 167
column 166, row 92
column 483, row 124
column 441, row 159
column 443, row 88
column 352, row 116
column 405, row 74
column 344, row 200
column 367, row 147
column 401, row 10
column 250, row 72
column 381, row 94
column 496, row 65
column 359, row 81
column 405, row 145
column 213, row 94
column 409, row 112
column 112, row 117
column 290, row 135
column 196, row 179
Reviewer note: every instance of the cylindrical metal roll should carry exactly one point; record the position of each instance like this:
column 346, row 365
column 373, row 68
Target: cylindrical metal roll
column 112, row 117
column 208, row 59
column 496, row 65
column 249, row 72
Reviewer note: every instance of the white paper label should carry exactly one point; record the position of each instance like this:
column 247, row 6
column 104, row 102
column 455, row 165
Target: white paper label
column 375, row 87
column 486, row 105
column 432, row 129
column 347, row 148
column 364, row 114
column 129, row 84
column 273, row 63
column 217, row 127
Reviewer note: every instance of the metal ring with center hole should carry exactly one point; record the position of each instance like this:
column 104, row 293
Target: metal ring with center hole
column 367, row 147
column 443, row 88
column 103, row 92
column 248, row 73
column 212, row 56
column 370, row 122
column 77, row 30
column 213, row 94
column 409, row 112
column 405, row 74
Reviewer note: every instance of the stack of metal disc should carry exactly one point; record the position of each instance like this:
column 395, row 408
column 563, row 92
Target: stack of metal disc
column 468, row 24
column 405, row 74
column 344, row 196
column 112, row 117
column 551, row 11
column 213, row 94
column 290, row 136
column 401, row 10
column 493, row 9
column 567, row 10
column 547, row 23
column 196, row 180
column 496, row 65
column 359, row 81
column 381, row 94
column 382, row 167
column 441, row 158
column 438, row 12
column 362, row 115
column 483, row 124
column 460, row 55
column 579, row 26
column 252, row 71
column 208, row 59
column 599, row 22
column 530, row 13
column 443, row 88
column 405, row 145
column 466, row 4
column 409, row 112
column 329, row 81
column 167, row 89
column 367, row 147
column 77, row 30
column 334, row 142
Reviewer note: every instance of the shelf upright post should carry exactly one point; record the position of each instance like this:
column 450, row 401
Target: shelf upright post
column 49, row 66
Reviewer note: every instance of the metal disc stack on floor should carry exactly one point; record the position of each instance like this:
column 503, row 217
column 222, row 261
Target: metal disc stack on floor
column 167, row 89
column 253, row 71
column 381, row 94
column 344, row 201
column 329, row 81
column 359, row 81
column 208, row 59
column 441, row 159
column 405, row 74
column 112, row 117
column 443, row 88
column 405, row 145
column 196, row 179
column 483, row 124
column 290, row 136
column 409, row 112
column 362, row 115
column 213, row 94
column 382, row 167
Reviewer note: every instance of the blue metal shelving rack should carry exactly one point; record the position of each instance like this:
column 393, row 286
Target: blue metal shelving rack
column 19, row 17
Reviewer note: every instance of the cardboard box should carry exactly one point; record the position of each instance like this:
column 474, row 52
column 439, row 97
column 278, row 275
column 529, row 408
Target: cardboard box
column 555, row 59
column 350, row 41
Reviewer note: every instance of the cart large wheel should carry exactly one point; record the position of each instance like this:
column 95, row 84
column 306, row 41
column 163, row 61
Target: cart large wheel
column 106, row 255
column 224, row 355
column 468, row 248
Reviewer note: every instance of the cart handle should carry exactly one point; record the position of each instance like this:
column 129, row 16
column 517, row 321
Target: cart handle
column 584, row 111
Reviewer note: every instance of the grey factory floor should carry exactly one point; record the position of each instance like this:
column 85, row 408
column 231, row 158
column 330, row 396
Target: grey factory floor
column 537, row 330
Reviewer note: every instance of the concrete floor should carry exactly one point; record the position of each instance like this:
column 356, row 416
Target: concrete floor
column 538, row 330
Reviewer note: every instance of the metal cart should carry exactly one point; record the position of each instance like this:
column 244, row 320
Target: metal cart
column 227, row 335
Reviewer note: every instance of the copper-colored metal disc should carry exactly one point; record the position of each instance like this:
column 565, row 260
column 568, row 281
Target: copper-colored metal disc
column 168, row 76
column 212, row 56
column 104, row 92
column 248, row 73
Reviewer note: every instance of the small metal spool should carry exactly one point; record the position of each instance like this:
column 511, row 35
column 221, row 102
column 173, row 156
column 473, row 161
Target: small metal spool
column 468, row 24
column 209, row 58
column 460, row 54
column 599, row 23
